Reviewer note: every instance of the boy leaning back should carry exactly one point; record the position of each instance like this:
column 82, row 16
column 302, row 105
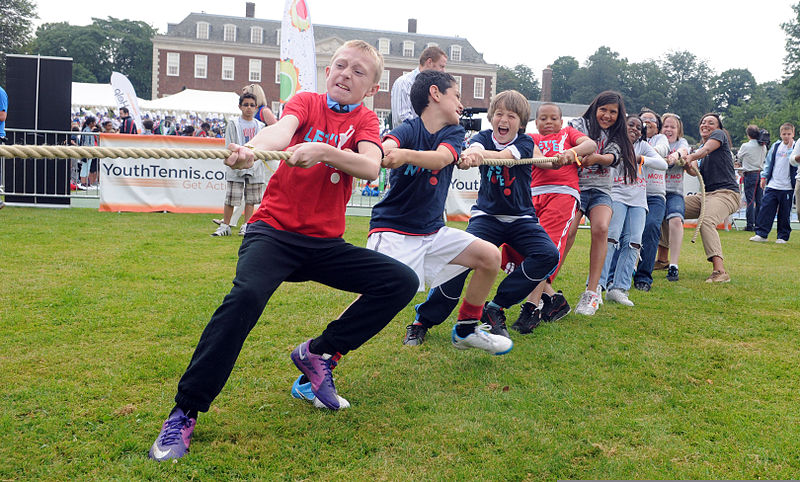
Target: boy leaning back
column 408, row 224
column 296, row 235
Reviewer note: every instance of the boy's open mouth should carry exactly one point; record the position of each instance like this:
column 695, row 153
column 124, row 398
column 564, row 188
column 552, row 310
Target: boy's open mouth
column 502, row 130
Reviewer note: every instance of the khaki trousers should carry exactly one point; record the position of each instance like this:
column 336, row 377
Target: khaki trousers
column 719, row 205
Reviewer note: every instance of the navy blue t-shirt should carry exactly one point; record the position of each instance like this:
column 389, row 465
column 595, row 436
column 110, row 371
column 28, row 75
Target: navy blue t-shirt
column 415, row 201
column 505, row 190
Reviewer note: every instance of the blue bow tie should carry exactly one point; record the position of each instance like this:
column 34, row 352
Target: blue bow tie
column 340, row 108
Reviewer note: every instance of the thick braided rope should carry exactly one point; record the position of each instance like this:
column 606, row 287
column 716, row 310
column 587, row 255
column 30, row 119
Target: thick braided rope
column 702, row 215
column 536, row 161
column 75, row 152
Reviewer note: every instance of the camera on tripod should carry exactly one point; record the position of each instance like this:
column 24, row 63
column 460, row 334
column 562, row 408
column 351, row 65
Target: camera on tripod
column 468, row 122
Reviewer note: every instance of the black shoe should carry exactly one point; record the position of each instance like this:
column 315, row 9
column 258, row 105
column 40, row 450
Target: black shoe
column 529, row 318
column 642, row 286
column 555, row 307
column 496, row 319
column 672, row 273
column 415, row 335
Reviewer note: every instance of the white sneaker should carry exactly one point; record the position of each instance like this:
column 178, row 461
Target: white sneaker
column 588, row 303
column 619, row 296
column 222, row 230
column 243, row 230
column 780, row 241
column 600, row 290
column 494, row 344
column 758, row 239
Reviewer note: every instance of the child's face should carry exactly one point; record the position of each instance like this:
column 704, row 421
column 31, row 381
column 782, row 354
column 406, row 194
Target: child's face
column 248, row 108
column 607, row 115
column 634, row 129
column 351, row 77
column 670, row 129
column 505, row 124
column 650, row 124
column 787, row 135
column 450, row 104
column 548, row 120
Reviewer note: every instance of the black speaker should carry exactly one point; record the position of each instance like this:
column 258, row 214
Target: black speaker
column 39, row 99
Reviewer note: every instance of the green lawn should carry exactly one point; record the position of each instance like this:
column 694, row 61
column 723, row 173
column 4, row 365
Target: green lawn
column 100, row 312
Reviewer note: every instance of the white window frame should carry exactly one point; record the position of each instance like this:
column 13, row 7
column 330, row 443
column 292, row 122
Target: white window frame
column 455, row 53
column 256, row 35
column 384, row 46
column 173, row 64
column 229, row 33
column 200, row 66
column 277, row 71
column 254, row 70
column 478, row 93
column 276, row 107
column 408, row 48
column 278, row 37
column 231, row 68
column 383, row 85
column 458, row 81
column 383, row 116
column 202, row 30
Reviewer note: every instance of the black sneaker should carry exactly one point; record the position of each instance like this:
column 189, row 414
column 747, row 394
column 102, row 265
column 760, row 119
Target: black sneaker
column 496, row 319
column 415, row 335
column 555, row 307
column 529, row 318
column 672, row 273
column 642, row 286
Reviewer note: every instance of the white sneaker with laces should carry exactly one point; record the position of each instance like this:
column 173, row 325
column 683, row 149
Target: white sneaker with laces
column 780, row 241
column 619, row 296
column 222, row 230
column 481, row 338
column 243, row 230
column 758, row 239
column 600, row 291
column 588, row 303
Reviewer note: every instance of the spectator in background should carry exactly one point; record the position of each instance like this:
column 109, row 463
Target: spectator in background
column 777, row 180
column 128, row 126
column 88, row 175
column 147, row 124
column 751, row 159
column 263, row 113
column 108, row 127
column 205, row 130
column 432, row 58
column 166, row 127
column 188, row 131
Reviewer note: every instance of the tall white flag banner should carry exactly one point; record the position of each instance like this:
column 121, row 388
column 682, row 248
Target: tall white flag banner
column 125, row 96
column 298, row 54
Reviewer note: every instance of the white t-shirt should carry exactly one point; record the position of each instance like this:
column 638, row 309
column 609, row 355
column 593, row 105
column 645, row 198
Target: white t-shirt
column 780, row 169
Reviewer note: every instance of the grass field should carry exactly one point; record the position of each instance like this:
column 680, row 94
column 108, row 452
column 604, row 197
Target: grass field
column 100, row 313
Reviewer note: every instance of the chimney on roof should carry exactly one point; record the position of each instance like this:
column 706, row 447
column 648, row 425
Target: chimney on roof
column 250, row 9
column 547, row 85
column 412, row 25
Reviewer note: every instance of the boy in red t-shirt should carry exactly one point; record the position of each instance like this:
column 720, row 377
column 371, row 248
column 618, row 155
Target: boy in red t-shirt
column 296, row 235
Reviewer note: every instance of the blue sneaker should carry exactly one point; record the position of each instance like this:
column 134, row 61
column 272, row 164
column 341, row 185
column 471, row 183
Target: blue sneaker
column 175, row 437
column 318, row 370
column 302, row 391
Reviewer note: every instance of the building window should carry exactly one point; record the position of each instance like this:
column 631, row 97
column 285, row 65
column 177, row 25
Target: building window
column 256, row 35
column 384, row 83
column 277, row 71
column 200, row 66
column 383, row 117
column 480, row 86
column 173, row 64
column 383, row 46
column 408, row 48
column 276, row 107
column 455, row 53
column 458, row 81
column 202, row 30
column 278, row 37
column 227, row 68
column 229, row 33
column 255, row 70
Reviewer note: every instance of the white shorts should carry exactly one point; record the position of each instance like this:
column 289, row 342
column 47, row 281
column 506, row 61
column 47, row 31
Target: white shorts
column 429, row 256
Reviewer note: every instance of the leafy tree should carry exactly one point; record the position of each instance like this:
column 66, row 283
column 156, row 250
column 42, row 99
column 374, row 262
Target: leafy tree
column 602, row 72
column 521, row 79
column 643, row 86
column 687, row 90
column 16, row 23
column 563, row 69
column 129, row 48
column 731, row 88
column 791, row 62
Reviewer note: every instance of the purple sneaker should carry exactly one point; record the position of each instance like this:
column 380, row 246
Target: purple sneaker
column 176, row 434
column 318, row 370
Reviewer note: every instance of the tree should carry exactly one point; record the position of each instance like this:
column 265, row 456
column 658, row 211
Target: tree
column 602, row 72
column 731, row 88
column 687, row 89
column 563, row 68
column 791, row 63
column 129, row 47
column 643, row 86
column 521, row 79
column 16, row 23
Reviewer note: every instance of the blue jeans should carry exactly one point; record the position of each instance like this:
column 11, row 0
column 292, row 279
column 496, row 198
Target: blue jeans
column 656, row 206
column 624, row 230
column 753, row 195
column 775, row 200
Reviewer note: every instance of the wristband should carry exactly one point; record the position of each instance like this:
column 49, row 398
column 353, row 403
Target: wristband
column 577, row 157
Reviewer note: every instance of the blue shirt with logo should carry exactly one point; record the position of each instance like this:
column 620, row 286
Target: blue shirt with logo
column 505, row 190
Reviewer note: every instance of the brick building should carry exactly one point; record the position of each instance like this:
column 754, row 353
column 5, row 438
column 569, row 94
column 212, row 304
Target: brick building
column 224, row 53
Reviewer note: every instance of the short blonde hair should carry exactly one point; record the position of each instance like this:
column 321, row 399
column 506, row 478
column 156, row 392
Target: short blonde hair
column 256, row 90
column 515, row 102
column 367, row 49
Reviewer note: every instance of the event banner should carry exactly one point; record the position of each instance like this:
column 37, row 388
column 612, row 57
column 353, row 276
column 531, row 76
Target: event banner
column 174, row 185
column 463, row 192
column 298, row 54
column 125, row 96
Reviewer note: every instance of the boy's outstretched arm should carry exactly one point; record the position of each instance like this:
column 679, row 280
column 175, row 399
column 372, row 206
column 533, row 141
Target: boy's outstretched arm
column 271, row 138
column 433, row 160
column 364, row 164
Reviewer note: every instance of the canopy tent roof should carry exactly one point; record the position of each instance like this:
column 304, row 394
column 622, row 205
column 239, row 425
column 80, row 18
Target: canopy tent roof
column 200, row 103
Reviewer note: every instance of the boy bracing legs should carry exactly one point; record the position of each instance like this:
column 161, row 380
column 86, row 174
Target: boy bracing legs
column 295, row 235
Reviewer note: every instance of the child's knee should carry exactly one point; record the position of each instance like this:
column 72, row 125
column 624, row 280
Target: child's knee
column 489, row 258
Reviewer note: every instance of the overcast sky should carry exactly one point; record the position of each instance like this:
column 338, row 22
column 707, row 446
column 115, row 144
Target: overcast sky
column 534, row 33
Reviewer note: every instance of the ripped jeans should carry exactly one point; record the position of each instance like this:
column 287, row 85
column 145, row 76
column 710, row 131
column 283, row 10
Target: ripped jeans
column 624, row 243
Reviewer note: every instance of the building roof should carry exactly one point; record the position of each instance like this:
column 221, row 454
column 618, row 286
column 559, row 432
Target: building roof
column 187, row 29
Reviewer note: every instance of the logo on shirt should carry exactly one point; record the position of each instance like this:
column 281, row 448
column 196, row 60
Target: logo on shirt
column 414, row 170
column 501, row 176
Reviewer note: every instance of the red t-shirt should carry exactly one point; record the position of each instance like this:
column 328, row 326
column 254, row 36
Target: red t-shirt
column 312, row 201
column 550, row 145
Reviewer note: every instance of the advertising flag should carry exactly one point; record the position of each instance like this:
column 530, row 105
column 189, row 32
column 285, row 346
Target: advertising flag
column 126, row 97
column 298, row 55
